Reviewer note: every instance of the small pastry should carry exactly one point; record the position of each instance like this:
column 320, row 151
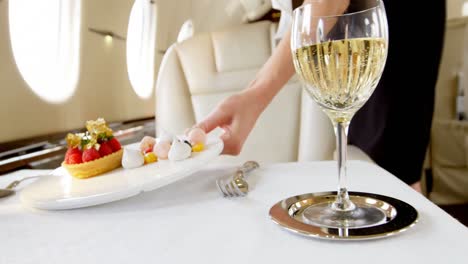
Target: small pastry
column 179, row 151
column 161, row 149
column 198, row 147
column 132, row 158
column 147, row 143
column 196, row 135
column 150, row 157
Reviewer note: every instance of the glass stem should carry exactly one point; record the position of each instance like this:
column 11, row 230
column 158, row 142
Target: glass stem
column 342, row 203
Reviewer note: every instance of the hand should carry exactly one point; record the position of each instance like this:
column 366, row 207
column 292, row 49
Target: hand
column 237, row 116
column 417, row 186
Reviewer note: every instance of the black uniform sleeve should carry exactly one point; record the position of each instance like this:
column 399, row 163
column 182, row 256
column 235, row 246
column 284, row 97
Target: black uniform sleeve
column 394, row 126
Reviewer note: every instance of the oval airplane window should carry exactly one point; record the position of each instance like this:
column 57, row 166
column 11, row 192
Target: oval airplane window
column 45, row 40
column 141, row 47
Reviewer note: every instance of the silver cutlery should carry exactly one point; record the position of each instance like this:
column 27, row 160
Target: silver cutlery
column 9, row 190
column 236, row 185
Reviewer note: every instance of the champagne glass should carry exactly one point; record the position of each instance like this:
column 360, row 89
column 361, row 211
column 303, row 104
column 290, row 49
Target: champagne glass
column 339, row 50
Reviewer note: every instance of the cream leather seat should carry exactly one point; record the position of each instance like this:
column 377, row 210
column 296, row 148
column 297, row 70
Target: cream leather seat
column 448, row 157
column 196, row 74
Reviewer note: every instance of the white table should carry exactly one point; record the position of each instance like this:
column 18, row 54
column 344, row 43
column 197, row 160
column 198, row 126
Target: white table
column 189, row 222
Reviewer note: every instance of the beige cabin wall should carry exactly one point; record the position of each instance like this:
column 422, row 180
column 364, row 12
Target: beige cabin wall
column 455, row 8
column 206, row 15
column 103, row 88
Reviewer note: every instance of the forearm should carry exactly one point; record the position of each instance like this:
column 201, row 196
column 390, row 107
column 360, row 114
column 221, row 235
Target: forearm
column 274, row 74
column 279, row 68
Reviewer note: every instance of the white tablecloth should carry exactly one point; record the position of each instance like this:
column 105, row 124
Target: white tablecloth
column 189, row 222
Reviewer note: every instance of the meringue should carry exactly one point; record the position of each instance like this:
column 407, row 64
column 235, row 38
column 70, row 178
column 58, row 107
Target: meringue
column 147, row 143
column 179, row 151
column 132, row 158
column 196, row 135
column 161, row 149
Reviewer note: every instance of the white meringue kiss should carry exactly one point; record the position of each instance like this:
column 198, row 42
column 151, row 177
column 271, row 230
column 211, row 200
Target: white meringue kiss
column 179, row 151
column 161, row 149
column 132, row 158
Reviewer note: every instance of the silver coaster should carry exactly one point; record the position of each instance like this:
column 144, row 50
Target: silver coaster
column 400, row 216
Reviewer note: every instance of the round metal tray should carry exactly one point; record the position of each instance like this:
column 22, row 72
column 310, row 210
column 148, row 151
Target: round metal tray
column 399, row 216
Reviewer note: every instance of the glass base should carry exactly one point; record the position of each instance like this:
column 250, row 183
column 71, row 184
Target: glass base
column 361, row 216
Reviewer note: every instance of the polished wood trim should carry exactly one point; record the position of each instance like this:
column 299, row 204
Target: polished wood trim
column 24, row 160
column 18, row 154
column 457, row 22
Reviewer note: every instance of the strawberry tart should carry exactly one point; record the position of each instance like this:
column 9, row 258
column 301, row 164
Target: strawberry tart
column 94, row 152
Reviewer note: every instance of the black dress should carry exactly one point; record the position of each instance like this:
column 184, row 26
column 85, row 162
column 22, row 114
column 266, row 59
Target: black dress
column 393, row 127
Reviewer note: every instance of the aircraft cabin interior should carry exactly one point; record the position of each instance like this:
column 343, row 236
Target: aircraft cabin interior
column 82, row 76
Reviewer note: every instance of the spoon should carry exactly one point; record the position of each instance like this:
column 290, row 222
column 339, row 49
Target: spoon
column 7, row 191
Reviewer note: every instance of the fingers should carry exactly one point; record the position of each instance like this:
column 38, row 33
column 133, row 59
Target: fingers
column 233, row 138
column 226, row 136
column 230, row 142
column 231, row 146
column 228, row 116
column 217, row 118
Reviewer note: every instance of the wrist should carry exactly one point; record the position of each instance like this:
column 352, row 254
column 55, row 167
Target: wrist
column 259, row 94
column 267, row 85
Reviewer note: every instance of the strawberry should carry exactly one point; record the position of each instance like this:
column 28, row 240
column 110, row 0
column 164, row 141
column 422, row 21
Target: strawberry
column 115, row 144
column 75, row 158
column 75, row 151
column 90, row 154
column 148, row 150
column 67, row 155
column 72, row 152
column 105, row 149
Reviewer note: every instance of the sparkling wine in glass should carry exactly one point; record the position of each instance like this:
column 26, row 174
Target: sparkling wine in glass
column 339, row 50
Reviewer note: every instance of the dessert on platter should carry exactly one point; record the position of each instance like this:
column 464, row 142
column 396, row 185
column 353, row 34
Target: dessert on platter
column 62, row 191
column 97, row 151
column 94, row 152
column 166, row 147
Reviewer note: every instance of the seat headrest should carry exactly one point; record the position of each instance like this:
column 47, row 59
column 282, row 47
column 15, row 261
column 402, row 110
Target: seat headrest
column 253, row 41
